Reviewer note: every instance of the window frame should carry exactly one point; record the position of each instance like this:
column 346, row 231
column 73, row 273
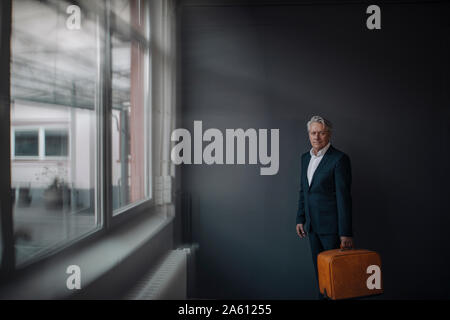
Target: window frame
column 123, row 29
column 7, row 235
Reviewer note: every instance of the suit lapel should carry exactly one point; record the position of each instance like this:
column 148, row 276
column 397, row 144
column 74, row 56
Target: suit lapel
column 322, row 163
column 305, row 168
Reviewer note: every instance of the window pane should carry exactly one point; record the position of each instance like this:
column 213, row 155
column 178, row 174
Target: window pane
column 129, row 124
column 121, row 8
column 56, row 142
column 132, row 14
column 54, row 74
column 26, row 143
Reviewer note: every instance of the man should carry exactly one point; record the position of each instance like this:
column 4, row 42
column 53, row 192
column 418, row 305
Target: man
column 325, row 204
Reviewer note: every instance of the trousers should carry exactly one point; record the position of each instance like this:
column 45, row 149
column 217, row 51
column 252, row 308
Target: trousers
column 319, row 243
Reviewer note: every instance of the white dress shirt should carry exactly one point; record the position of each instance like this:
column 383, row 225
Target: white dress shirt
column 315, row 160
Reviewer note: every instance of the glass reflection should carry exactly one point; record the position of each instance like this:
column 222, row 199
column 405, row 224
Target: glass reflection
column 54, row 72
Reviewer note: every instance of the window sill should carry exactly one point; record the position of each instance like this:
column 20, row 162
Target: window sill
column 48, row 281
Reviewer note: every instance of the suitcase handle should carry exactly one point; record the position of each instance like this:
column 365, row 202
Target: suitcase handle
column 345, row 249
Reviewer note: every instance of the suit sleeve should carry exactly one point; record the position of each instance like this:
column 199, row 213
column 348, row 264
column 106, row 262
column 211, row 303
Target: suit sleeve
column 343, row 180
column 301, row 204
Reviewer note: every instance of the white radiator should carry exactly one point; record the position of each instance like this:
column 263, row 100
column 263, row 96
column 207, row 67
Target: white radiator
column 166, row 281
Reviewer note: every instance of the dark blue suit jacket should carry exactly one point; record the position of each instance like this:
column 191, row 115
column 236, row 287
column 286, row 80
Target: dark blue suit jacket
column 326, row 205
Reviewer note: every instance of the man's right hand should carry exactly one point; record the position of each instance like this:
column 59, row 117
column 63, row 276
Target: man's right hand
column 300, row 231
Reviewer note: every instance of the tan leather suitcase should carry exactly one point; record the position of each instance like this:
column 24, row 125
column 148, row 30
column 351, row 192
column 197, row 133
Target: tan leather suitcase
column 349, row 273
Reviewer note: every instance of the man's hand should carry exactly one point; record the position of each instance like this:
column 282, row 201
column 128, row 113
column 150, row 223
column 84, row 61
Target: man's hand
column 346, row 242
column 300, row 231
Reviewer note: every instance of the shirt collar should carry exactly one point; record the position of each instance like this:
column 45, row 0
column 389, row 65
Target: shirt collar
column 321, row 152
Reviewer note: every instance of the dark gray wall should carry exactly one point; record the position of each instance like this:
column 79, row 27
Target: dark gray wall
column 386, row 92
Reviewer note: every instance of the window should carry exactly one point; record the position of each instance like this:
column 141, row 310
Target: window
column 26, row 143
column 65, row 82
column 130, row 134
column 39, row 143
column 56, row 143
column 55, row 74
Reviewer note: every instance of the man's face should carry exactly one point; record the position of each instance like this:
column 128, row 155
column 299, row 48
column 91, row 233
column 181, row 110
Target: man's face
column 319, row 136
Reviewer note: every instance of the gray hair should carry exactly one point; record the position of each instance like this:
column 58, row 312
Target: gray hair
column 321, row 120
